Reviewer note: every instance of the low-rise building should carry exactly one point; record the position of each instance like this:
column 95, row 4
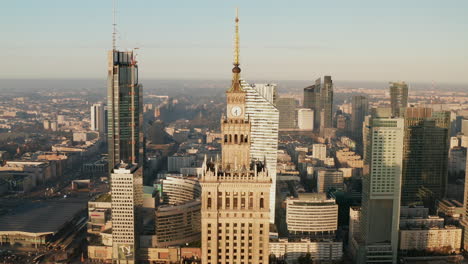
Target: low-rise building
column 445, row 240
column 319, row 250
column 311, row 215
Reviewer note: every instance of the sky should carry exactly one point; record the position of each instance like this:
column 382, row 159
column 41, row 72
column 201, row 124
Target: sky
column 362, row 40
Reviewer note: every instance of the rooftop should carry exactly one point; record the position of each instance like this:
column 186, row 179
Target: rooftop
column 41, row 217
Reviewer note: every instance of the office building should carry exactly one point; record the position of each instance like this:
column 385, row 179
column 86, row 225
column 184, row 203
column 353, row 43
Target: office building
column 464, row 127
column 329, row 179
column 434, row 239
column 291, row 250
column 398, row 97
column 381, row 187
column 127, row 199
column 287, row 113
column 124, row 109
column 264, row 120
column 312, row 101
column 305, row 119
column 319, row 97
column 319, row 151
column 360, row 109
column 311, row 215
column 425, row 156
column 464, row 222
column 235, row 192
column 98, row 118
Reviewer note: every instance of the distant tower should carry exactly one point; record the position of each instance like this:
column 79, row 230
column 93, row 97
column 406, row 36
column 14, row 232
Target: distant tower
column 398, row 97
column 235, row 192
column 360, row 109
column 97, row 118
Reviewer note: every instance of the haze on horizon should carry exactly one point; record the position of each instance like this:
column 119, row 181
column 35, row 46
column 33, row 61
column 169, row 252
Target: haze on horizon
column 415, row 41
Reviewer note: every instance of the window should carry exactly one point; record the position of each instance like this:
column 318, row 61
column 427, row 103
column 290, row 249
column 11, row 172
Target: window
column 262, row 203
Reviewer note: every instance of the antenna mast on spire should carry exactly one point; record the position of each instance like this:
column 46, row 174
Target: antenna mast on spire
column 114, row 25
column 236, row 40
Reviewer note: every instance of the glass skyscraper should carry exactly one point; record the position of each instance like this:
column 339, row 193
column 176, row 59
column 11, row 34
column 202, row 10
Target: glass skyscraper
column 124, row 109
column 398, row 97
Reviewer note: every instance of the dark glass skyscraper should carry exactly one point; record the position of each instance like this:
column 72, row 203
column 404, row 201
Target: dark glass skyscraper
column 425, row 156
column 326, row 102
column 124, row 109
column 398, row 97
column 319, row 97
column 360, row 109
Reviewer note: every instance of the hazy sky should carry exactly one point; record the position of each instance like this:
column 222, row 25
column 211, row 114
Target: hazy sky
column 412, row 40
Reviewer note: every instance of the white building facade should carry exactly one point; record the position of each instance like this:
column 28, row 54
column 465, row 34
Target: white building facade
column 264, row 119
column 305, row 119
column 127, row 198
column 97, row 118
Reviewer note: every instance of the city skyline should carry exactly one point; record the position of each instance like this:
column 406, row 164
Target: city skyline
column 183, row 43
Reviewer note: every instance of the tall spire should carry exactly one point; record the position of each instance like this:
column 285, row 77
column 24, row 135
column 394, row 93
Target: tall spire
column 236, row 87
column 236, row 40
column 114, row 25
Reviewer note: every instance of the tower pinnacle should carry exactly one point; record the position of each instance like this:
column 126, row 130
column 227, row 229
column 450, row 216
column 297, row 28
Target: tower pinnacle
column 236, row 87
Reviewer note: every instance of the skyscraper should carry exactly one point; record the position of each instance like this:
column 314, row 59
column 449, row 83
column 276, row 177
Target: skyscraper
column 97, row 118
column 125, row 143
column 381, row 187
column 287, row 113
column 264, row 119
column 319, row 97
column 360, row 109
column 425, row 156
column 235, row 192
column 326, row 101
column 124, row 109
column 398, row 97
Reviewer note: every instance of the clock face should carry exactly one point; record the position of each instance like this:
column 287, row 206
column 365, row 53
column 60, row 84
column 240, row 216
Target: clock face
column 236, row 111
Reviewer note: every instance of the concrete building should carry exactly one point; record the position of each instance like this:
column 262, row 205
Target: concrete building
column 329, row 179
column 124, row 109
column 177, row 162
column 434, row 239
column 305, row 119
column 235, row 191
column 398, row 97
column 179, row 190
column 287, row 113
column 464, row 127
column 98, row 118
column 311, row 215
column 127, row 200
column 318, row 250
column 264, row 118
column 177, row 225
column 381, row 190
column 319, row 151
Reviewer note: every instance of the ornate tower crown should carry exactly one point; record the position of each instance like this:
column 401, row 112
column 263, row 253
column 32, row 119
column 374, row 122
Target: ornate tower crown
column 236, row 86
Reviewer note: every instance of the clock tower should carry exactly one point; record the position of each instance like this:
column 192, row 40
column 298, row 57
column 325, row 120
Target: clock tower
column 235, row 127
